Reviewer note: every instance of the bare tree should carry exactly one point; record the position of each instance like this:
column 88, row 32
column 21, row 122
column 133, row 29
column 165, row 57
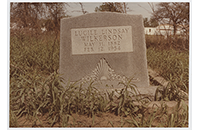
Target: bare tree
column 125, row 7
column 175, row 13
column 37, row 15
column 26, row 14
column 55, row 11
column 113, row 7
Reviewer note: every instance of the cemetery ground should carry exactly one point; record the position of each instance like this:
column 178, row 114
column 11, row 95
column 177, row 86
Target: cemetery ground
column 38, row 99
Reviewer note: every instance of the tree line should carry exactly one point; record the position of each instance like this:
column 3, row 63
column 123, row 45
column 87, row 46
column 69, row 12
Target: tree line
column 37, row 15
column 48, row 15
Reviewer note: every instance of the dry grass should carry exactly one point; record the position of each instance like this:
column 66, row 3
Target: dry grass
column 37, row 98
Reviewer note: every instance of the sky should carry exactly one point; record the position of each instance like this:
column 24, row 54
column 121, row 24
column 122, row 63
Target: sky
column 135, row 8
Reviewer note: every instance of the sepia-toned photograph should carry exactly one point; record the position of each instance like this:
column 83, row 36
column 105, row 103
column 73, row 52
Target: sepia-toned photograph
column 99, row 64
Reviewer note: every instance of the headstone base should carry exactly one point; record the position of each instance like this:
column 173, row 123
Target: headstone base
column 109, row 86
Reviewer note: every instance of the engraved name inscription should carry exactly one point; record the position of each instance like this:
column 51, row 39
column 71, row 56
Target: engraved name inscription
column 101, row 40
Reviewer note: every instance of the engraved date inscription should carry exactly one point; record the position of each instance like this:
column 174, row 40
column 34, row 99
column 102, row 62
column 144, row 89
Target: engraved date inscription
column 101, row 40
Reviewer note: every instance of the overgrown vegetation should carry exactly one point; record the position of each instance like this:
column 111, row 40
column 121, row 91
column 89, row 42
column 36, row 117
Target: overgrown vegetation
column 170, row 62
column 36, row 89
column 38, row 97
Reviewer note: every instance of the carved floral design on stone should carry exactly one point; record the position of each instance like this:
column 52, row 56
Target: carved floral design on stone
column 103, row 72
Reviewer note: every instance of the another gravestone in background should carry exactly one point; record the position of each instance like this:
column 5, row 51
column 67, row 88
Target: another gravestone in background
column 107, row 47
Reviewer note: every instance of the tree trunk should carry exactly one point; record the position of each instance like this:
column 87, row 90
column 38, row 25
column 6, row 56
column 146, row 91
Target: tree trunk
column 175, row 29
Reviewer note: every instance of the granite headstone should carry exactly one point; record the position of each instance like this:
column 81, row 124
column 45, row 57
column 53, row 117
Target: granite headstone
column 106, row 47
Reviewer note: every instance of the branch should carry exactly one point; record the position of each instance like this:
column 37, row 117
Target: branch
column 144, row 8
column 83, row 11
column 152, row 6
